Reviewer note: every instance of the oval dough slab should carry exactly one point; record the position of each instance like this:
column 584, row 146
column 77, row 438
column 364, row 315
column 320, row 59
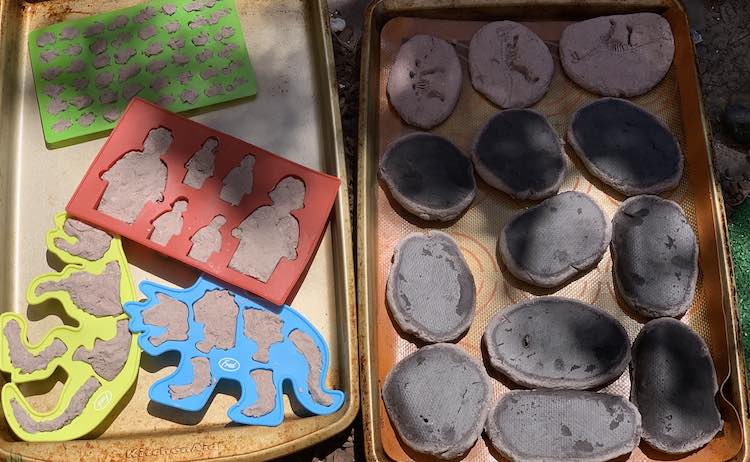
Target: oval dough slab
column 674, row 385
column 563, row 425
column 425, row 81
column 589, row 347
column 429, row 176
column 519, row 153
column 624, row 55
column 431, row 292
column 549, row 243
column 438, row 399
column 655, row 256
column 509, row 64
column 626, row 147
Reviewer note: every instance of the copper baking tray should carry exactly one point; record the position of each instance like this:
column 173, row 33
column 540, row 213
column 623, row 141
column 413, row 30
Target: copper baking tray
column 381, row 222
column 295, row 114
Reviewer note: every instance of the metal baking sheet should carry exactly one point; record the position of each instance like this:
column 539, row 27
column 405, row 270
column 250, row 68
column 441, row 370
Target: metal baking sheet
column 381, row 222
column 294, row 114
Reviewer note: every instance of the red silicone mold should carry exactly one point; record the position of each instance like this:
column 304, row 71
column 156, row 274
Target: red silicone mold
column 203, row 204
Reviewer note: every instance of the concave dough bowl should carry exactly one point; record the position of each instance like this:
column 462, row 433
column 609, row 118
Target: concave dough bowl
column 295, row 115
column 676, row 101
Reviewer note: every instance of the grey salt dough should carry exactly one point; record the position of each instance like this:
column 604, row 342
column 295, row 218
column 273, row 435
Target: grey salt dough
column 62, row 124
column 170, row 314
column 77, row 403
column 623, row 55
column 550, row 243
column 518, row 152
column 674, row 386
column 130, row 70
column 201, row 380
column 270, row 232
column 563, row 425
column 103, row 79
column 153, row 49
column 73, row 50
column 123, row 56
column 168, row 224
column 155, row 66
column 108, row 357
column 47, row 56
column 207, row 240
column 96, row 294
column 431, row 292
column 589, row 347
column 86, row 119
column 626, row 147
column 119, row 22
column 264, row 328
column 130, row 90
column 112, row 114
column 509, row 64
column 93, row 30
column 188, row 96
column 147, row 32
column 44, row 39
column 89, row 243
column 217, row 310
column 81, row 102
column 654, row 256
column 428, row 176
column 69, row 33
column 438, row 399
column 425, row 81
column 80, row 83
column 266, row 390
column 108, row 96
column 101, row 61
column 200, row 166
column 305, row 345
column 99, row 46
column 22, row 358
column 238, row 182
column 56, row 106
column 139, row 177
column 76, row 66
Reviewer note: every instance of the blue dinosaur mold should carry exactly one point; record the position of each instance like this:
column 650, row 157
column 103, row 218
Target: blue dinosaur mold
column 222, row 333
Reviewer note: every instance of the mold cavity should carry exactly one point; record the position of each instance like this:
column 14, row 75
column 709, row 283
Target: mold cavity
column 201, row 165
column 270, row 232
column 168, row 224
column 207, row 240
column 217, row 310
column 238, row 182
column 201, row 380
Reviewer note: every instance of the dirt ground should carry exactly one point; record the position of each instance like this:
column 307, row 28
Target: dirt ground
column 724, row 68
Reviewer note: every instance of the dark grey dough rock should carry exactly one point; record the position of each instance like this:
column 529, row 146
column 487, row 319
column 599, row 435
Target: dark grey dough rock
column 563, row 425
column 509, row 64
column 425, row 81
column 674, row 385
column 429, row 176
column 431, row 292
column 626, row 147
column 547, row 244
column 438, row 399
column 655, row 256
column 624, row 55
column 519, row 153
column 555, row 342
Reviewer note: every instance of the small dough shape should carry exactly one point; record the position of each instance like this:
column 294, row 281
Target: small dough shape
column 99, row 46
column 112, row 114
column 214, row 90
column 90, row 243
column 170, row 314
column 108, row 96
column 123, row 38
column 77, row 65
column 69, row 33
column 169, row 9
column 269, row 233
column 197, row 23
column 103, row 79
column 80, row 83
column 200, row 39
column 209, row 73
column 108, row 357
column 217, row 310
column 86, row 119
column 23, row 359
column 74, row 50
column 201, row 165
column 425, row 81
column 228, row 49
column 201, row 380
column 204, row 56
column 44, row 39
column 94, row 29
column 47, row 56
column 169, row 224
column 81, row 102
column 51, row 73
column 153, row 49
column 509, row 64
column 56, row 106
column 144, row 15
column 130, row 90
column 137, row 178
column 123, row 56
column 264, row 328
column 172, row 27
column 61, row 125
column 180, row 60
column 188, row 96
column 101, row 61
column 160, row 82
column 147, row 32
column 53, row 89
column 266, row 390
column 184, row 77
column 119, row 22
column 129, row 71
column 155, row 66
column 306, row 346
column 239, row 181
column 207, row 240
column 78, row 402
column 96, row 294
column 165, row 100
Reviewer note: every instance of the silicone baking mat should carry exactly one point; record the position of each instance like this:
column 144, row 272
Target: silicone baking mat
column 478, row 229
column 182, row 54
column 206, row 204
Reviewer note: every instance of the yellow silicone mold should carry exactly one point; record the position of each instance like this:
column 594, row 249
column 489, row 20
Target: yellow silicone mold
column 89, row 328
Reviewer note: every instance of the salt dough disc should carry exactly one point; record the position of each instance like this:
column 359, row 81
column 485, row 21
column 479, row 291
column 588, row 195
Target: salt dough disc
column 589, row 347
column 626, row 147
column 509, row 64
column 563, row 426
column 518, row 152
column 624, row 55
column 425, row 81
column 438, row 399
column 655, row 256
column 431, row 292
column 429, row 176
column 674, row 385
column 550, row 243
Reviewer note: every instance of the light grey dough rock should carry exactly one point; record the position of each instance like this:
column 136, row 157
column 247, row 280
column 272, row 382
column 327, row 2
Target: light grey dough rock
column 589, row 347
column 431, row 292
column 518, row 152
column 563, row 425
column 626, row 147
column 509, row 64
column 654, row 256
column 425, row 81
column 438, row 399
column 429, row 176
column 549, row 243
column 674, row 385
column 623, row 55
